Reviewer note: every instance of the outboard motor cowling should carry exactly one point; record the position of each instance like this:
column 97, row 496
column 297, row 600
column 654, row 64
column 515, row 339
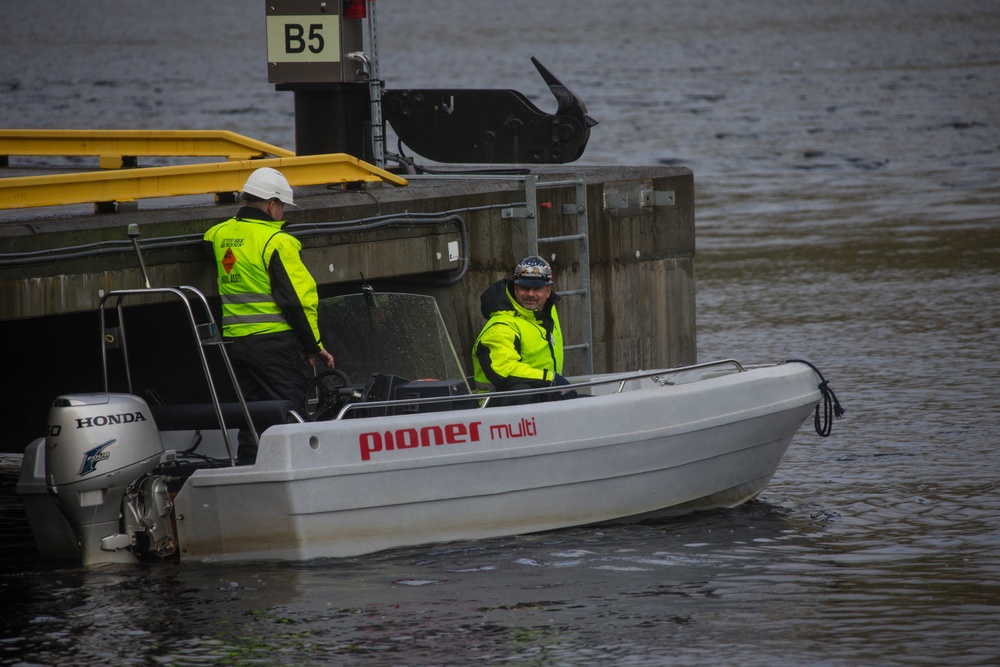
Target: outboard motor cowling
column 96, row 446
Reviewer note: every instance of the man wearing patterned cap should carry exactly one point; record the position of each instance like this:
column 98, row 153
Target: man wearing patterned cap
column 520, row 346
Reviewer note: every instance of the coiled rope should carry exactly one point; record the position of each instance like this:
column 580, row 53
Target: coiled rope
column 831, row 406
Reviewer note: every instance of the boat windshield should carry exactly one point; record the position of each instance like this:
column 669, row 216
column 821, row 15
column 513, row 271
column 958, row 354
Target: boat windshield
column 390, row 333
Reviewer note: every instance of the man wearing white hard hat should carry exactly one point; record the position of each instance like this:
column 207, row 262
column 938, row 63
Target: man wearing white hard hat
column 269, row 298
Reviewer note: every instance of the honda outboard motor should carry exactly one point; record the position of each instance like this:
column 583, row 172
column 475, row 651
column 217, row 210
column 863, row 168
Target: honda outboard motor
column 97, row 446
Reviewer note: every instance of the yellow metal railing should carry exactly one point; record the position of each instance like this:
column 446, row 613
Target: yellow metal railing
column 115, row 147
column 126, row 185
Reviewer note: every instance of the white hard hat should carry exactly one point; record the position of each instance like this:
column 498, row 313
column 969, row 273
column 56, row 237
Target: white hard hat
column 268, row 183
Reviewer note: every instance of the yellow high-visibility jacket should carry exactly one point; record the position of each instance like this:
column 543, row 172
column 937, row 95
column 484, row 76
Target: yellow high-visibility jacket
column 516, row 345
column 264, row 285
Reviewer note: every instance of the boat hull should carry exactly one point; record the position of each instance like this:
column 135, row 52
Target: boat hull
column 356, row 486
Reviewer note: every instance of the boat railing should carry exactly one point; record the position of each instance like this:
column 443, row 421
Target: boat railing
column 205, row 331
column 661, row 377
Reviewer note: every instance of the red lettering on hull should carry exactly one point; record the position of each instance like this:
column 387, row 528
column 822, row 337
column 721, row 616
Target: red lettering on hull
column 373, row 442
column 410, row 438
column 523, row 429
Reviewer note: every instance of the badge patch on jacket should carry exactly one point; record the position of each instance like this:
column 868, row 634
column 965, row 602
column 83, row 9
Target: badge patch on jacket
column 229, row 260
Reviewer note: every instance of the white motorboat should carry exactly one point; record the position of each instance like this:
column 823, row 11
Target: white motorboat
column 383, row 460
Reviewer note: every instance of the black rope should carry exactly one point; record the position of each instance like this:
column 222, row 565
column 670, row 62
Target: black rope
column 831, row 406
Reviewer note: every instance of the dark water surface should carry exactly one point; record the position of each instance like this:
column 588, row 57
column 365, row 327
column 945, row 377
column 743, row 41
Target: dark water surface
column 847, row 165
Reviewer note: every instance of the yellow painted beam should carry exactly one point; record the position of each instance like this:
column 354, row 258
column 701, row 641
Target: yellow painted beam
column 108, row 143
column 148, row 182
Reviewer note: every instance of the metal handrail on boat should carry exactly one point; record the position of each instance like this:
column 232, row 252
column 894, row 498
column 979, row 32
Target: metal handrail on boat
column 206, row 333
column 483, row 400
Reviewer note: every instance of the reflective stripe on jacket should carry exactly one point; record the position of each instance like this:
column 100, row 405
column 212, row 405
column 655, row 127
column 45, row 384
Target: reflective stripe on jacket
column 517, row 345
column 264, row 285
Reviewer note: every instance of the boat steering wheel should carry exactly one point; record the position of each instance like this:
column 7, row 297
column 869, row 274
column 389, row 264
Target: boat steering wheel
column 327, row 393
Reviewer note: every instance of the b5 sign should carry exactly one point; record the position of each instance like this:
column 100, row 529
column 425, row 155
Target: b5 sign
column 307, row 42
column 303, row 39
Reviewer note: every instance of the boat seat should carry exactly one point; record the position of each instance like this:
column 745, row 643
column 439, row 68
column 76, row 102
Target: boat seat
column 201, row 416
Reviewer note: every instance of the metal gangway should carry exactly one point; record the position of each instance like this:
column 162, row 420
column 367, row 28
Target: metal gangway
column 116, row 149
column 109, row 187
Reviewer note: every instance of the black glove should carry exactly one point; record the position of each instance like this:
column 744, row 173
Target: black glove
column 559, row 381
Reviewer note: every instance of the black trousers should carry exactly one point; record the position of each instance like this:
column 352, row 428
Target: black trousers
column 268, row 366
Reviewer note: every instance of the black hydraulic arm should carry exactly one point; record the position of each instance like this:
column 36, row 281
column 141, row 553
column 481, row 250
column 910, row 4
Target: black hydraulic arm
column 490, row 126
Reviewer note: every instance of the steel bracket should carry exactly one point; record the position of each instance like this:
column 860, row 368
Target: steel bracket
column 625, row 198
column 517, row 212
column 657, row 198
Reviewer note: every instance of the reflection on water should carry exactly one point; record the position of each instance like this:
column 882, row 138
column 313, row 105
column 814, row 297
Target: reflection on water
column 847, row 166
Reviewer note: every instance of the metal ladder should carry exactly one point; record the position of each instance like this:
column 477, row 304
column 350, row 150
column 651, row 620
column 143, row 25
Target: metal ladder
column 578, row 209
